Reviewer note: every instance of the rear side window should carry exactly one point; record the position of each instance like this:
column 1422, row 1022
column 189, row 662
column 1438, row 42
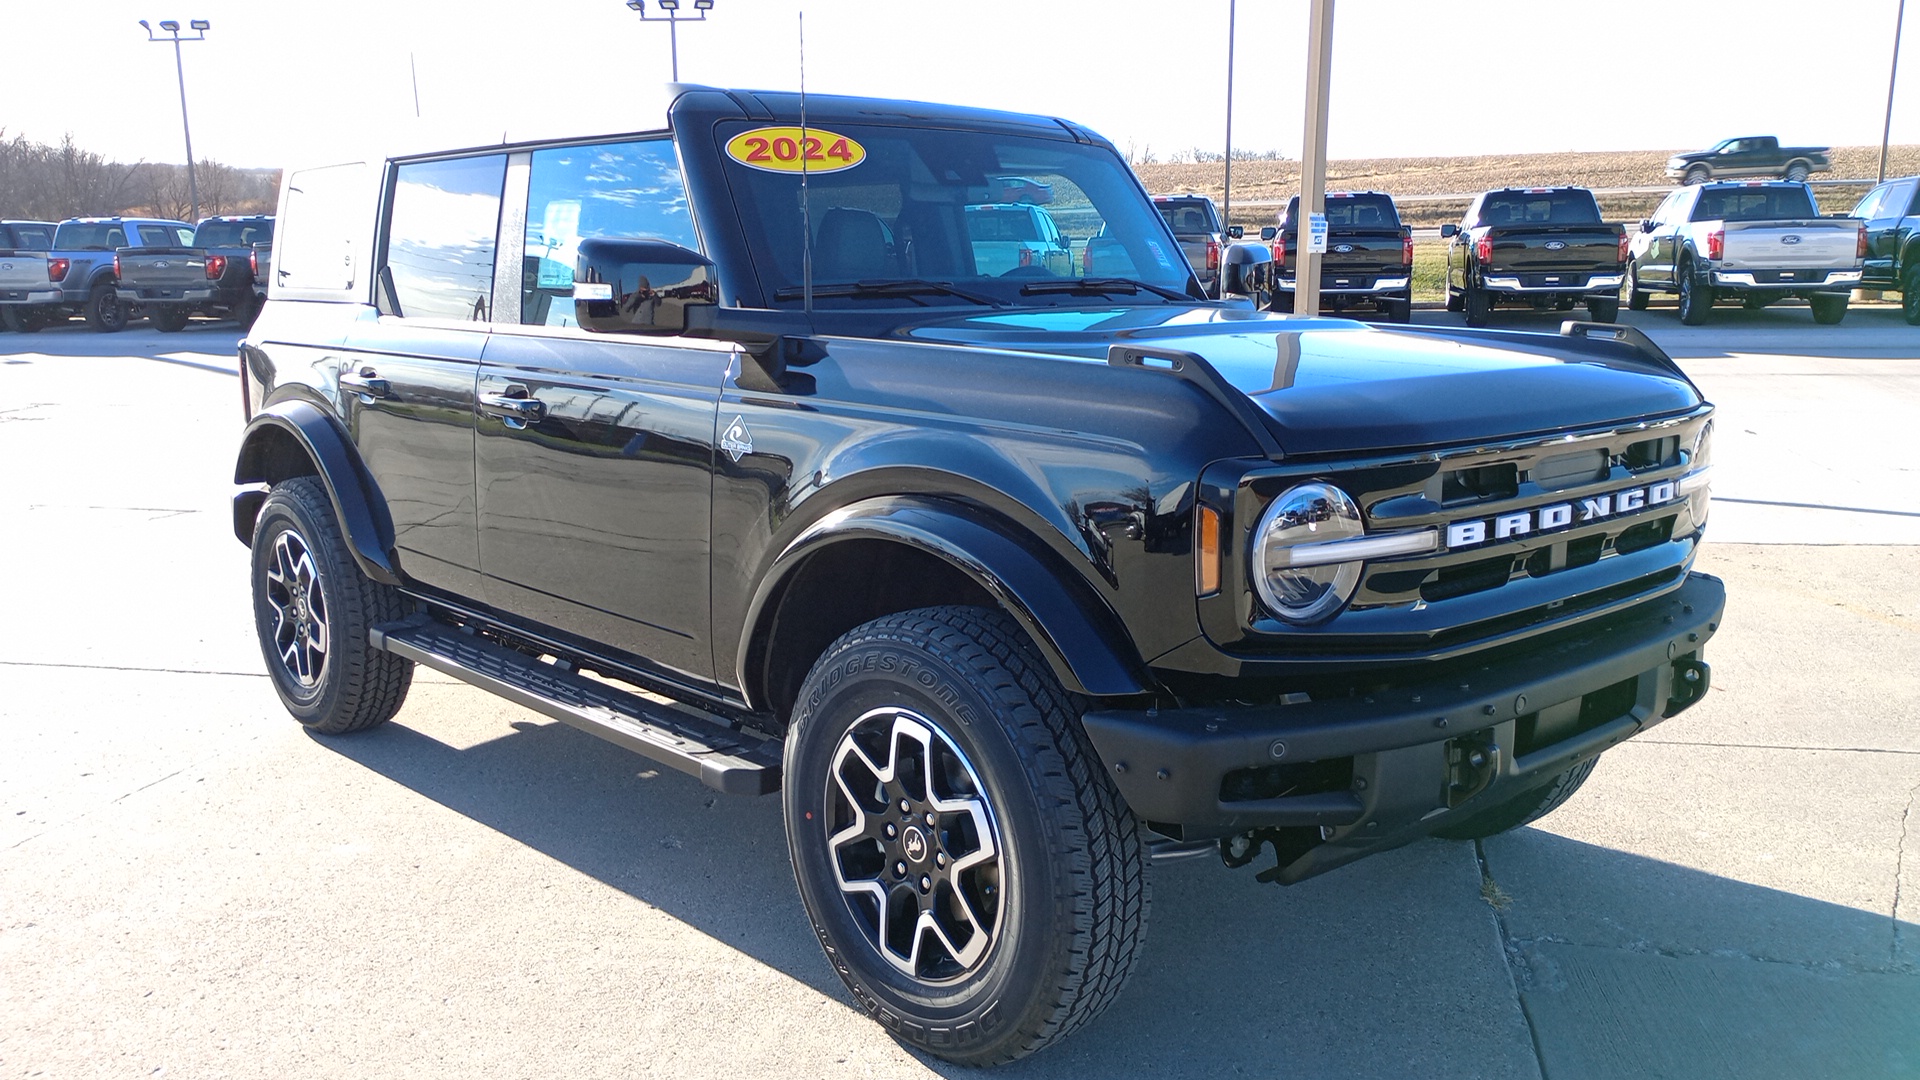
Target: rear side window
column 441, row 235
column 1754, row 204
column 234, row 233
column 325, row 210
column 90, row 236
column 630, row 190
column 32, row 237
column 1540, row 208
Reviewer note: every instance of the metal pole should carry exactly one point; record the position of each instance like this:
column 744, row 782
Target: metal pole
column 1226, row 197
column 1893, row 72
column 1313, row 156
column 193, row 189
column 673, row 42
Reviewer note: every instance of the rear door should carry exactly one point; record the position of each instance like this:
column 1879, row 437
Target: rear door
column 595, row 452
column 1884, row 209
column 408, row 373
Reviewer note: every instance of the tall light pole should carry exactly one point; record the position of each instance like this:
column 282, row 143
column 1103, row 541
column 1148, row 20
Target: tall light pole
column 673, row 19
column 1893, row 72
column 200, row 28
column 1226, row 195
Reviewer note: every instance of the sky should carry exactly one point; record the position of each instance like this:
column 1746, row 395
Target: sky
column 278, row 83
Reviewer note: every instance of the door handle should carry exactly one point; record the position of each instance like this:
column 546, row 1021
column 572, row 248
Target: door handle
column 366, row 384
column 515, row 407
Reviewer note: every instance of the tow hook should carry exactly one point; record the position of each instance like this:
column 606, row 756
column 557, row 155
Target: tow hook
column 1690, row 681
column 1472, row 763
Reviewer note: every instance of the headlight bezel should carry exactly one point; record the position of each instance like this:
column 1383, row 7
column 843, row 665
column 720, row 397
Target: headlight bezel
column 1313, row 512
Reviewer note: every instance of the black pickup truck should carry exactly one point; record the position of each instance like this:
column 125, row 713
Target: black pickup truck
column 1748, row 156
column 212, row 276
column 1891, row 212
column 1368, row 261
column 1009, row 580
column 1542, row 248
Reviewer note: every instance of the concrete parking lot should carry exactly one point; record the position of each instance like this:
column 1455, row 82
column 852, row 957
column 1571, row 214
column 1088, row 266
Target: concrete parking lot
column 190, row 885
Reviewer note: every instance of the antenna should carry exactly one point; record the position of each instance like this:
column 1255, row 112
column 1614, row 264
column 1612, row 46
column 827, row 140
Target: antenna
column 806, row 202
column 415, row 69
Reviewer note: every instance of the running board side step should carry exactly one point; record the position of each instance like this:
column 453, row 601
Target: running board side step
column 720, row 757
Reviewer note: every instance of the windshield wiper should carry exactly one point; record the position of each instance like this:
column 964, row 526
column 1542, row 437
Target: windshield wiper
column 1100, row 285
column 906, row 287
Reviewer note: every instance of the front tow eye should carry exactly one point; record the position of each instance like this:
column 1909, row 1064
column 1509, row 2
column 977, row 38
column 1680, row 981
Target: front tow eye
column 1472, row 763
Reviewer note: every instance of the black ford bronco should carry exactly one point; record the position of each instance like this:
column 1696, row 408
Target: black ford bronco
column 715, row 441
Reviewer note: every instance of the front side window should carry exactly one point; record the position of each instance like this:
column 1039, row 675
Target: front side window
column 440, row 238
column 630, row 190
column 902, row 216
column 33, row 237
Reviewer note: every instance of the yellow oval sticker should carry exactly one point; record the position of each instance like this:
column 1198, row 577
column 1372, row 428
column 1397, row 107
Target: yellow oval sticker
column 788, row 150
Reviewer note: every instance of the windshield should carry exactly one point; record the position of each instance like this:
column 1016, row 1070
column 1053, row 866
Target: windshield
column 985, row 213
column 1570, row 207
column 234, row 233
column 1754, row 204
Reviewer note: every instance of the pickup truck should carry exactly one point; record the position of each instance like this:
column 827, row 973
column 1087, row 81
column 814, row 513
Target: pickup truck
column 1545, row 248
column 1007, row 583
column 1751, row 155
column 1368, row 261
column 16, row 237
column 1195, row 222
column 1754, row 241
column 1892, row 262
column 1008, row 236
column 77, row 275
column 213, row 275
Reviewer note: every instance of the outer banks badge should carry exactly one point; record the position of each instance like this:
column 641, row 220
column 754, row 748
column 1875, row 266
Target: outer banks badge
column 737, row 441
column 793, row 150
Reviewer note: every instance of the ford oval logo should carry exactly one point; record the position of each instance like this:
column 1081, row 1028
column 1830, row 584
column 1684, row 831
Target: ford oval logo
column 1790, row 238
column 161, row 264
column 6, row 266
column 1555, row 245
column 1343, row 248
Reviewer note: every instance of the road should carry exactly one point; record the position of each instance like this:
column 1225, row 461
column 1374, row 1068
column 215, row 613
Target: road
column 190, row 885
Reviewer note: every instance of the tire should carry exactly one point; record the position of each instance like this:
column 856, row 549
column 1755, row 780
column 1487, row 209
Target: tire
column 1527, row 807
column 1828, row 308
column 1398, row 310
column 105, row 312
column 21, row 319
column 1698, row 174
column 1636, row 299
column 1910, row 295
column 170, row 318
column 1478, row 305
column 1797, row 172
column 1604, row 308
column 1041, row 934
column 244, row 311
column 317, row 654
column 1695, row 297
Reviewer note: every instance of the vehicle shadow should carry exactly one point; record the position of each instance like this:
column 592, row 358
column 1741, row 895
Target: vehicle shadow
column 1394, row 967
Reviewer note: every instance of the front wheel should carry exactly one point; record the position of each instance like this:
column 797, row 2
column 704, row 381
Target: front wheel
column 312, row 607
column 105, row 312
column 1828, row 308
column 1527, row 807
column 1696, row 297
column 972, row 874
column 1699, row 174
column 1910, row 295
column 1797, row 172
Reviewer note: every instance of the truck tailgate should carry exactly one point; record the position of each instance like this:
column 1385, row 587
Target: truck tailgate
column 23, row 270
column 161, row 269
column 1535, row 249
column 1809, row 243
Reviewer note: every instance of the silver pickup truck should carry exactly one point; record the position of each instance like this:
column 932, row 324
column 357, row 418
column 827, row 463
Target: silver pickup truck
column 1756, row 242
column 41, row 288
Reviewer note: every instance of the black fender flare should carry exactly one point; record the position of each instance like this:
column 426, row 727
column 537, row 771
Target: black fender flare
column 357, row 504
column 1081, row 638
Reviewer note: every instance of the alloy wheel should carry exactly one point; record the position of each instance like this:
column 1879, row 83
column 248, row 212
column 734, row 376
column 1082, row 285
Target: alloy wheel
column 299, row 609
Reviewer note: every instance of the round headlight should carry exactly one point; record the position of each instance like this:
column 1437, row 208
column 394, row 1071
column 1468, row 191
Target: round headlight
column 1697, row 485
column 1307, row 514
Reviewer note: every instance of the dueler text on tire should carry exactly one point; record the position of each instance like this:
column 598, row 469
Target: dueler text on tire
column 312, row 607
column 972, row 874
column 1528, row 806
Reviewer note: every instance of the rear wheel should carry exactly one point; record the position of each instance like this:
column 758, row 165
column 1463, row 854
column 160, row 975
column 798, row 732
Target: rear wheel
column 1604, row 308
column 1478, row 305
column 1528, row 806
column 1636, row 299
column 1828, row 308
column 1797, row 172
column 1399, row 309
column 245, row 310
column 105, row 312
column 1696, row 296
column 170, row 318
column 973, row 875
column 1910, row 294
column 22, row 319
column 312, row 607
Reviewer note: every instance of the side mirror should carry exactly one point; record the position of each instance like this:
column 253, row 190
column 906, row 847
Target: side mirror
column 1242, row 267
column 1236, row 231
column 639, row 286
column 1449, row 231
column 1646, row 225
column 1268, row 232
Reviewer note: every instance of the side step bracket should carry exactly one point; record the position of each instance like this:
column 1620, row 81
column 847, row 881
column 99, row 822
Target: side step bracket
column 722, row 758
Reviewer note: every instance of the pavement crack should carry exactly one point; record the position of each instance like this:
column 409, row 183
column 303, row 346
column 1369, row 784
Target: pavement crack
column 1498, row 901
column 1899, row 875
column 1670, row 952
column 1649, row 741
column 129, row 667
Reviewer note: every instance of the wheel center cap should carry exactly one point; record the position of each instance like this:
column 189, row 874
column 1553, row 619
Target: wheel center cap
column 914, row 843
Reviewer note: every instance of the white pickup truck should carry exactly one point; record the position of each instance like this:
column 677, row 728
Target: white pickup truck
column 1756, row 242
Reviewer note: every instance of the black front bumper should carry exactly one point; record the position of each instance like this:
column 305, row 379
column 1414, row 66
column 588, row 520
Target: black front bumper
column 1378, row 770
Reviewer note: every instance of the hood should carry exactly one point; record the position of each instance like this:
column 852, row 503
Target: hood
column 1336, row 386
